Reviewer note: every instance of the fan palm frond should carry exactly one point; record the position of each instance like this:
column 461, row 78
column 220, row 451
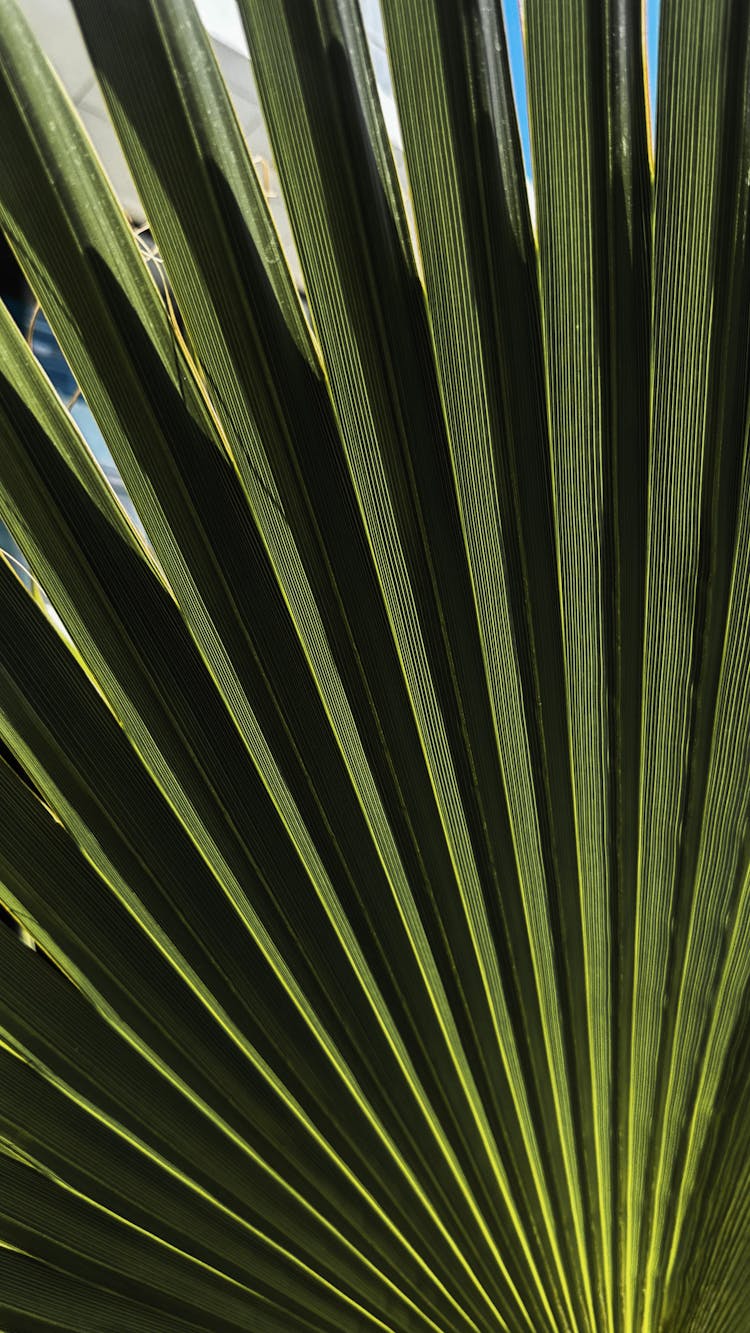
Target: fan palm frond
column 383, row 802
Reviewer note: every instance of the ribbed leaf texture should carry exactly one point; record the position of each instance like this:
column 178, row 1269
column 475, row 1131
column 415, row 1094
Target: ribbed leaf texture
column 384, row 808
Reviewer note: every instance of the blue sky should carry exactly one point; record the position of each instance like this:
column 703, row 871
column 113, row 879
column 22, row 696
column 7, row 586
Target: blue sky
column 515, row 44
column 222, row 19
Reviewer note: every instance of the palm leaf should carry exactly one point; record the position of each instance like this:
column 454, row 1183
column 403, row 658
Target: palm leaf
column 383, row 805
